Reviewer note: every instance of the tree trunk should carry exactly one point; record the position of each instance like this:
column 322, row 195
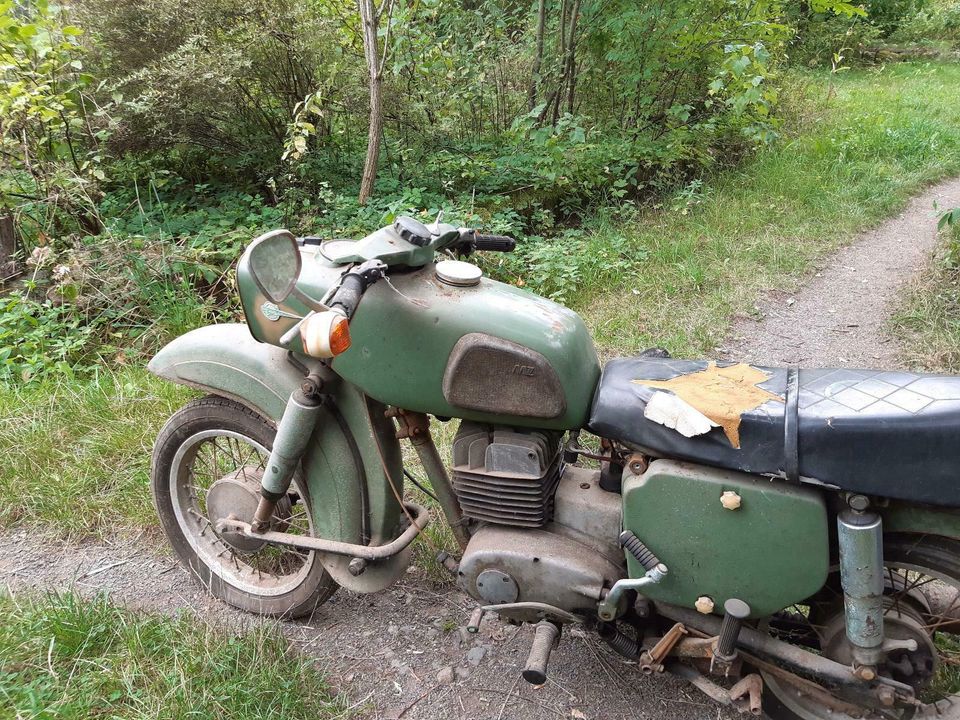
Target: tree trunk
column 8, row 246
column 571, row 72
column 538, row 57
column 370, row 20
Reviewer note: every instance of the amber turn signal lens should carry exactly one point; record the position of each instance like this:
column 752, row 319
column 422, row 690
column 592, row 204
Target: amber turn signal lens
column 340, row 336
column 325, row 334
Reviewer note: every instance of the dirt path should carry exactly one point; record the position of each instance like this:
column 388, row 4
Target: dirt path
column 837, row 318
column 387, row 653
column 405, row 652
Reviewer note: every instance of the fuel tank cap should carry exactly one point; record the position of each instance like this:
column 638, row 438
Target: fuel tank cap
column 459, row 273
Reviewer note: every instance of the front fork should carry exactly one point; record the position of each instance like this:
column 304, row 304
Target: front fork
column 293, row 433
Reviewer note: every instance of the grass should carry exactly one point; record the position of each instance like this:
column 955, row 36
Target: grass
column 64, row 657
column 75, row 457
column 929, row 317
column 862, row 143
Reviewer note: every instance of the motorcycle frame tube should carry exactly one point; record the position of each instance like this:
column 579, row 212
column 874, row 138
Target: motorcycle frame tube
column 792, row 656
column 419, row 515
column 860, row 540
column 436, row 471
column 342, row 466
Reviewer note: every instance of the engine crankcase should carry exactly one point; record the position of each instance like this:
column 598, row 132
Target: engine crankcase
column 508, row 565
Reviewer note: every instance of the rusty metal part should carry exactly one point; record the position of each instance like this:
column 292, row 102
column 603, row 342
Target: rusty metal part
column 700, row 651
column 707, row 687
column 261, row 518
column 698, row 648
column 788, row 654
column 637, row 463
column 886, row 696
column 532, row 612
column 752, row 687
column 865, row 672
column 416, row 427
column 476, row 617
column 807, row 687
column 574, row 447
column 357, row 566
column 651, row 661
column 412, row 425
column 544, row 640
column 418, row 514
column 448, row 562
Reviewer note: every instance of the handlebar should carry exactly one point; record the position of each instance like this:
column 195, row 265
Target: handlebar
column 494, row 243
column 472, row 241
column 353, row 284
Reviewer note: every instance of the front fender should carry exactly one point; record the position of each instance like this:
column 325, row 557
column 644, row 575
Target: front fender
column 342, row 465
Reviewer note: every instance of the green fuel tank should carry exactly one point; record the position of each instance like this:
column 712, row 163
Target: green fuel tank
column 489, row 352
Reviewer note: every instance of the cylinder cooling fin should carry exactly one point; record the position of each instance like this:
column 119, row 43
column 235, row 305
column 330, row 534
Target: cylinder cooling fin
column 506, row 476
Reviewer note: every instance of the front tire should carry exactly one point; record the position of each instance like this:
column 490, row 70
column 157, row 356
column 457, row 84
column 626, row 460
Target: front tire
column 213, row 440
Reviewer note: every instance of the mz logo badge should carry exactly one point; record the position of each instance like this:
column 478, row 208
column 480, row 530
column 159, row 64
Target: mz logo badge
column 525, row 370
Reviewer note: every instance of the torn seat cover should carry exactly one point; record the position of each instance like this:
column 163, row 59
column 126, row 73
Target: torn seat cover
column 886, row 433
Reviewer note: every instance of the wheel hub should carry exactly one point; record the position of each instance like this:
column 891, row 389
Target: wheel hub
column 901, row 621
column 237, row 494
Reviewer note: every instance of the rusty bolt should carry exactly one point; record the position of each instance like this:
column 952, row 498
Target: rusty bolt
column 730, row 500
column 704, row 605
column 637, row 464
column 865, row 672
column 886, row 695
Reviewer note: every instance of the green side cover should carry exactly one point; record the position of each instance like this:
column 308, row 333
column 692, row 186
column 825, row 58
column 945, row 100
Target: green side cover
column 772, row 552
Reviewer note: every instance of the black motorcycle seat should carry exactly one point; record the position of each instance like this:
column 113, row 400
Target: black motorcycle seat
column 884, row 433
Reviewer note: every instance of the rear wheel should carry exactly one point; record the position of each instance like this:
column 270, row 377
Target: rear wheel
column 922, row 602
column 207, row 464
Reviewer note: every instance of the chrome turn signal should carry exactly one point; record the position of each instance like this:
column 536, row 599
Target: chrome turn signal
column 325, row 334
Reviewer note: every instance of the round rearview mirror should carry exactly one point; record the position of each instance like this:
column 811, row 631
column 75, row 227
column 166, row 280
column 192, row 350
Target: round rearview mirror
column 274, row 260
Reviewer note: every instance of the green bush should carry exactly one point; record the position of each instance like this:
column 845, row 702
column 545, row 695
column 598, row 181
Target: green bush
column 938, row 23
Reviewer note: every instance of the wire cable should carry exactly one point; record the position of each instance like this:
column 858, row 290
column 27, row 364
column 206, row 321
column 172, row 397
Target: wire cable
column 416, row 482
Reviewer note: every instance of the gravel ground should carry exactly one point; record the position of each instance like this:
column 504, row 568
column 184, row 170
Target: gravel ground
column 837, row 319
column 404, row 652
column 401, row 653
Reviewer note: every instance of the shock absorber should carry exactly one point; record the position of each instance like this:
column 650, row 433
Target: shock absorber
column 293, row 433
column 860, row 539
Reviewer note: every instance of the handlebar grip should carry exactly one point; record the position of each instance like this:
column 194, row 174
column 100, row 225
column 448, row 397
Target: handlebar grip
column 494, row 243
column 354, row 284
column 348, row 295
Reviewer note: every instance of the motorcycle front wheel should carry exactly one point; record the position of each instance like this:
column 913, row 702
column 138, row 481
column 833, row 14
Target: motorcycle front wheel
column 207, row 463
column 921, row 602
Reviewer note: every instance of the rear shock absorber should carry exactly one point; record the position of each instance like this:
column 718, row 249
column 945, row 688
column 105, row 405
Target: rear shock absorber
column 860, row 538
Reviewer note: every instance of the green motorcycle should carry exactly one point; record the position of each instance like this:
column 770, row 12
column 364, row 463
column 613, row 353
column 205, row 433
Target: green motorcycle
column 788, row 541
